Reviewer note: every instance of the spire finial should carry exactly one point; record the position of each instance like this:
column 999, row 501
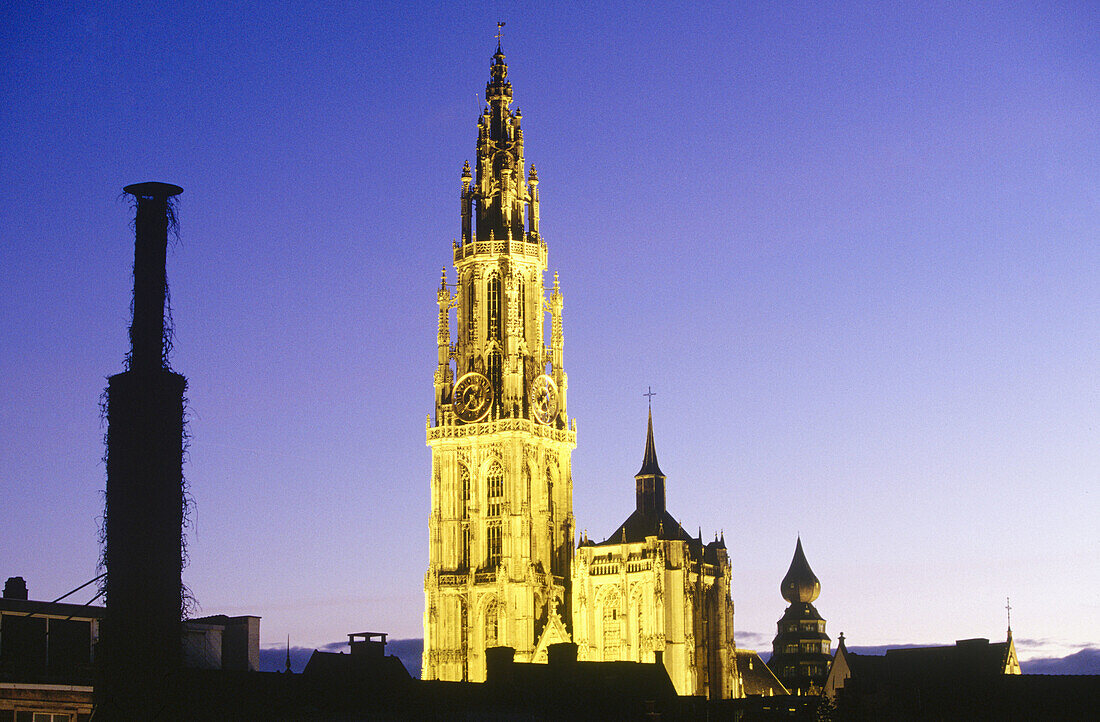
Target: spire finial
column 500, row 33
column 288, row 653
column 649, row 394
column 1008, row 610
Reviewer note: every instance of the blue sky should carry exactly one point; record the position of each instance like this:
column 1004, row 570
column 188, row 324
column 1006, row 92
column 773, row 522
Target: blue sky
column 853, row 250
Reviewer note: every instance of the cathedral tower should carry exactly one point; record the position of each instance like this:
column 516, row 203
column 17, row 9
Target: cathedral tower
column 501, row 522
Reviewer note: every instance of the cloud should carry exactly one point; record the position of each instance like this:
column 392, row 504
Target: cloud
column 1086, row 661
column 273, row 659
column 752, row 640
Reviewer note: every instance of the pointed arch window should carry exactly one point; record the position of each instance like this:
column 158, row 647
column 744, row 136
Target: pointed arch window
column 522, row 289
column 494, row 308
column 471, row 321
column 495, row 373
column 493, row 539
column 494, row 484
column 612, row 628
column 463, row 493
column 492, row 618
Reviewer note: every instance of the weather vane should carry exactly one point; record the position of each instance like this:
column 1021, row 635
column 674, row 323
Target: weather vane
column 649, row 394
column 500, row 32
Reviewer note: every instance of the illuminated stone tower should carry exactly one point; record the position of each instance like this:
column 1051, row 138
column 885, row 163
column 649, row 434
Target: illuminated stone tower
column 501, row 523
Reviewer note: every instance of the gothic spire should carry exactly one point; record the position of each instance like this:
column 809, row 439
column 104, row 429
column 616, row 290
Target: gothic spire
column 800, row 584
column 649, row 460
column 500, row 190
column 650, row 480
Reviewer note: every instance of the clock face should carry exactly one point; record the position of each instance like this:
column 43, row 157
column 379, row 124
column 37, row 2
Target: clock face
column 544, row 399
column 473, row 396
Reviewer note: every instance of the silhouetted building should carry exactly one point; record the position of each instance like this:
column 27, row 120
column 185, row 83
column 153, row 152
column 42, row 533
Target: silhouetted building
column 48, row 651
column 651, row 592
column 501, row 521
column 800, row 650
column 964, row 681
column 967, row 661
column 46, row 656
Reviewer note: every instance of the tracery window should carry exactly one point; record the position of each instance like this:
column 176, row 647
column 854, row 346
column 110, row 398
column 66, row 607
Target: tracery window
column 612, row 628
column 495, row 375
column 495, row 485
column 463, row 493
column 491, row 624
column 471, row 321
column 522, row 288
column 494, row 544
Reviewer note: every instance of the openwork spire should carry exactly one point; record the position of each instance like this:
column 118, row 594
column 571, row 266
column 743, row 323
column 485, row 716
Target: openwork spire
column 500, row 191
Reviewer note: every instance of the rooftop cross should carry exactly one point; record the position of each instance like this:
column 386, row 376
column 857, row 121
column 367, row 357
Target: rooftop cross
column 1008, row 609
column 649, row 394
column 500, row 33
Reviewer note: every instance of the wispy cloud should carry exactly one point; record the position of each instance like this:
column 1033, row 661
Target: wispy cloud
column 1085, row 661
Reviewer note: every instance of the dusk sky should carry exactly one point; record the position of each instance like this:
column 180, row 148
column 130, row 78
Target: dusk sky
column 854, row 250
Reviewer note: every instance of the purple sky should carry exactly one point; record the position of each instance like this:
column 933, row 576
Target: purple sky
column 854, row 251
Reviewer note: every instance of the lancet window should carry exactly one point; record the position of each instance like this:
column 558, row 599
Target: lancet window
column 463, row 493
column 495, row 486
column 494, row 544
column 491, row 622
column 612, row 627
column 494, row 308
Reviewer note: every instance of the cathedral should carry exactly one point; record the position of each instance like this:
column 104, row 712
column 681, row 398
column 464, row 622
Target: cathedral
column 503, row 568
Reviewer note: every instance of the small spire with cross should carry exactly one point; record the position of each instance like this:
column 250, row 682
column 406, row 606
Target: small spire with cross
column 500, row 33
column 649, row 394
column 1008, row 610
